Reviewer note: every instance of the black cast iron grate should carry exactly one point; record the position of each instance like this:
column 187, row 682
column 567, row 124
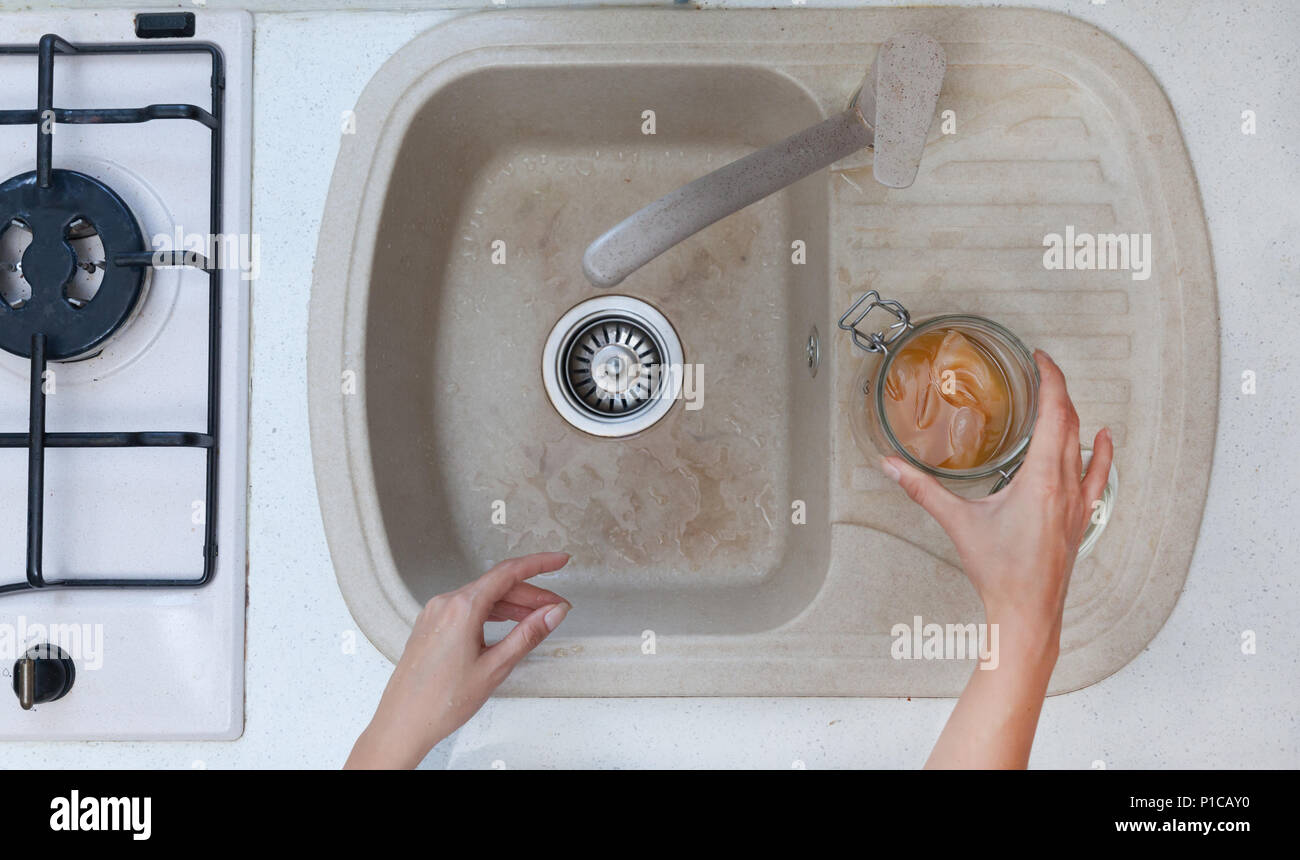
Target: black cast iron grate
column 53, row 184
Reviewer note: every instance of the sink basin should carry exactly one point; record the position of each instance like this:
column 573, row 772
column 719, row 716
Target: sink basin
column 742, row 545
column 670, row 529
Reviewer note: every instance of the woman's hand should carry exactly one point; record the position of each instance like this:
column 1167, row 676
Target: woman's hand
column 1018, row 548
column 447, row 671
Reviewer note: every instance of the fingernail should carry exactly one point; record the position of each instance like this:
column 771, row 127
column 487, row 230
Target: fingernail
column 556, row 615
column 1105, row 431
column 888, row 467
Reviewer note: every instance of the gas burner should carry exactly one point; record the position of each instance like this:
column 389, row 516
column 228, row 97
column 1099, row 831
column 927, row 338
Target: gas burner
column 75, row 316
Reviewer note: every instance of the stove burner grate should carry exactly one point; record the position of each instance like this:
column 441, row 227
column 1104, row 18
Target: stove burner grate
column 73, row 207
column 47, row 314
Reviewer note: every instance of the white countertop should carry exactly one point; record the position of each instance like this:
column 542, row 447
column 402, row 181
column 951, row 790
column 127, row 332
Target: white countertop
column 1191, row 699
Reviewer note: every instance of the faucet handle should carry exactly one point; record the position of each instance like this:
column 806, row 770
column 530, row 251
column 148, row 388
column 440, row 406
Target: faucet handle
column 898, row 100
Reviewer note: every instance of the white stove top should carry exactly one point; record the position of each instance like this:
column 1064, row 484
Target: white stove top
column 151, row 663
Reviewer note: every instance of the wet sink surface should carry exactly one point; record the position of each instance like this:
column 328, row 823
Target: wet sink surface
column 670, row 529
column 438, row 452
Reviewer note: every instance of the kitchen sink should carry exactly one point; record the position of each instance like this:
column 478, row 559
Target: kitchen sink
column 742, row 544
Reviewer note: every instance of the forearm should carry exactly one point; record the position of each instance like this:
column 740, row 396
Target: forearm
column 378, row 749
column 994, row 721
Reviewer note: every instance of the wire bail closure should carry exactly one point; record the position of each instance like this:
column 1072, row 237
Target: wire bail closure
column 875, row 341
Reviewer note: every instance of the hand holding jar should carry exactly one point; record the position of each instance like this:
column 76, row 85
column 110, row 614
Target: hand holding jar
column 1018, row 547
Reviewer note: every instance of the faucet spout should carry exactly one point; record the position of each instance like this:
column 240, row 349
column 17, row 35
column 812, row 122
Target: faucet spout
column 891, row 111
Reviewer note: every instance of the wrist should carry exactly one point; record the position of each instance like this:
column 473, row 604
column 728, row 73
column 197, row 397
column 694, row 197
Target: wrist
column 1026, row 641
column 381, row 748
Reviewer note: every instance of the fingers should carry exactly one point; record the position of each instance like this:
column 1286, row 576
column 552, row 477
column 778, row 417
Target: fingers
column 1103, row 451
column 501, row 580
column 1055, row 443
column 521, row 600
column 502, row 657
column 530, row 596
column 925, row 490
column 506, row 611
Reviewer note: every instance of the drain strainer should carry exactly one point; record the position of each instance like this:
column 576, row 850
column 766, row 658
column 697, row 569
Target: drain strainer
column 612, row 366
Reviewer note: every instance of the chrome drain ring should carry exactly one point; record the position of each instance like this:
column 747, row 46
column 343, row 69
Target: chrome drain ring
column 612, row 366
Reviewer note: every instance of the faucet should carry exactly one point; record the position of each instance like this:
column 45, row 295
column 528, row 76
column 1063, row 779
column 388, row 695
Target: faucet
column 890, row 112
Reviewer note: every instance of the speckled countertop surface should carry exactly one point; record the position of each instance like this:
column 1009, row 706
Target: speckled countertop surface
column 1192, row 699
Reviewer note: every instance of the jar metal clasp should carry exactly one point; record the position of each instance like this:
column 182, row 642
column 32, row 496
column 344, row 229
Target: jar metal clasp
column 875, row 341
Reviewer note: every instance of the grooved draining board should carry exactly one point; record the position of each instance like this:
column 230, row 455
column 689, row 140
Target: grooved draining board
column 1055, row 128
column 532, row 119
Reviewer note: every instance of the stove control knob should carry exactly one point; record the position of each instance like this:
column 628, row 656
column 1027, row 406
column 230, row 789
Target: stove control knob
column 44, row 674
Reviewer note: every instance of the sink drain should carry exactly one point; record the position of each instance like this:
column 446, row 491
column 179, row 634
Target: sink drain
column 612, row 366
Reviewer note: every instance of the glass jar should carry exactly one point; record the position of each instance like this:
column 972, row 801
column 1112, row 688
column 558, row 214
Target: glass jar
column 869, row 419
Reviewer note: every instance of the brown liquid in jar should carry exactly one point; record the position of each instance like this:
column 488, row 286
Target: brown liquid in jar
column 947, row 400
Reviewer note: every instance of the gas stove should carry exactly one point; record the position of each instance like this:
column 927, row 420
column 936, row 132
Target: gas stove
column 126, row 258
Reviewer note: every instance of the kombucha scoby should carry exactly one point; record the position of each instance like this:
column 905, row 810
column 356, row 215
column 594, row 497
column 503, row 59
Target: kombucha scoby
column 946, row 400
